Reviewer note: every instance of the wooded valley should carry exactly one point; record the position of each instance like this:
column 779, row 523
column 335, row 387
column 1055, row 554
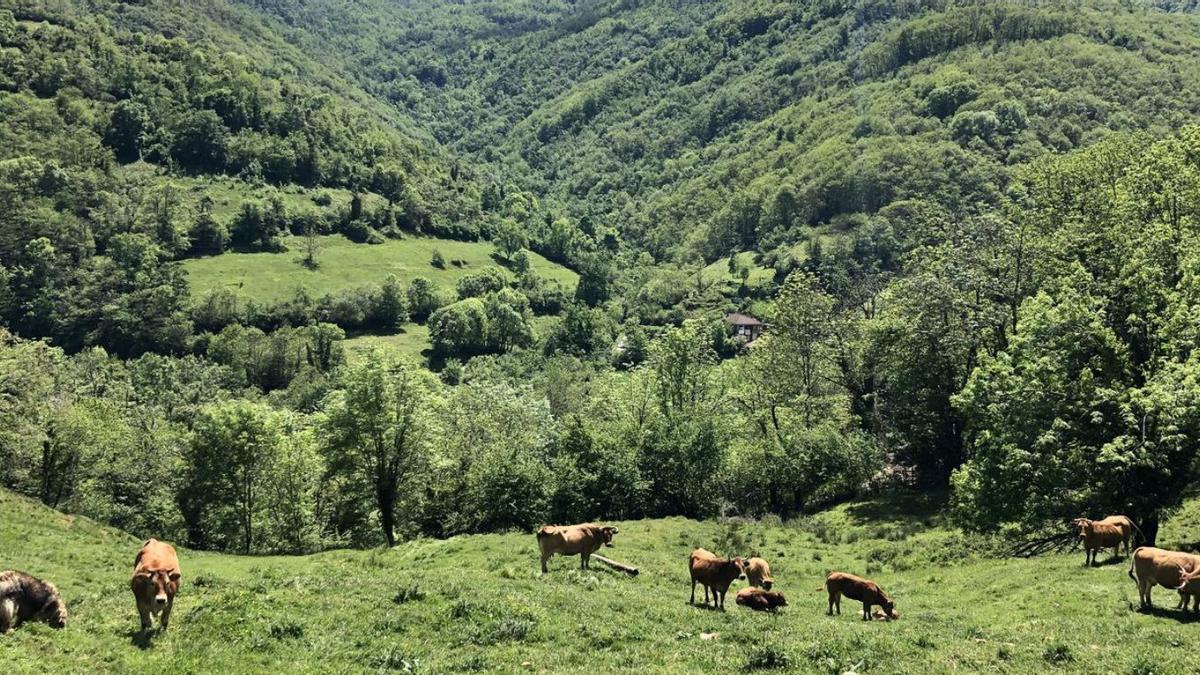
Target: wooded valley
column 280, row 277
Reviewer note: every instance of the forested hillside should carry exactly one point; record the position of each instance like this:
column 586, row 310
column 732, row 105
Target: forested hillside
column 970, row 228
column 699, row 128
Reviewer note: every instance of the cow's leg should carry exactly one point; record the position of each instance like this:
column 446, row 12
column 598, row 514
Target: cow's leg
column 5, row 616
column 166, row 613
column 706, row 595
column 544, row 559
column 693, row 600
column 144, row 611
column 722, row 601
column 830, row 612
column 583, row 559
column 866, row 611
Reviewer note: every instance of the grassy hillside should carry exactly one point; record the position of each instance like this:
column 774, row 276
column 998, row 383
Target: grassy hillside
column 345, row 264
column 477, row 603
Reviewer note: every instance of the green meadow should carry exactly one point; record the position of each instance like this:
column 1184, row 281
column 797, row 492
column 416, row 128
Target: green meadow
column 478, row 603
column 343, row 264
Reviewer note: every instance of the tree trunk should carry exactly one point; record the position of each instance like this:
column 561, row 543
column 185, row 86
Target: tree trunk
column 387, row 516
column 1149, row 528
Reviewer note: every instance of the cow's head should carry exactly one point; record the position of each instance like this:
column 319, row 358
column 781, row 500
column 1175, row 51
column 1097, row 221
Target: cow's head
column 737, row 564
column 1186, row 577
column 54, row 611
column 607, row 533
column 767, row 583
column 1081, row 525
column 889, row 608
column 162, row 583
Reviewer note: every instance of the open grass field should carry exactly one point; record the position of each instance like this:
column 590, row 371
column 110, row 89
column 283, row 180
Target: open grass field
column 407, row 345
column 478, row 603
column 344, row 264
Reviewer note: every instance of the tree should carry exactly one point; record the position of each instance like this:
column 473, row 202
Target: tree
column 422, row 298
column 390, row 307
column 234, row 447
column 1040, row 415
column 377, row 429
column 460, row 329
column 595, row 281
column 129, row 130
column 207, row 236
column 200, row 141
column 510, row 238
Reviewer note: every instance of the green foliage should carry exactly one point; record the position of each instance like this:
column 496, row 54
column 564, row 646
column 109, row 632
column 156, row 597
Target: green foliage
column 376, row 432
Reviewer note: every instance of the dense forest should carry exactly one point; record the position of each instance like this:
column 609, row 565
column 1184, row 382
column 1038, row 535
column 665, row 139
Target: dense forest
column 970, row 227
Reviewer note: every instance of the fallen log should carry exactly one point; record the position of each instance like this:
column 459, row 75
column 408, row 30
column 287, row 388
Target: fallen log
column 1054, row 542
column 627, row 569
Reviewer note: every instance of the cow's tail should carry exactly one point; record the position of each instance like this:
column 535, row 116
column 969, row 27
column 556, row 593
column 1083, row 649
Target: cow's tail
column 1141, row 537
column 1132, row 559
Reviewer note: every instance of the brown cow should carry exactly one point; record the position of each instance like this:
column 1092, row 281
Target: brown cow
column 1155, row 566
column 1111, row 532
column 155, row 581
column 25, row 598
column 760, row 600
column 581, row 540
column 714, row 573
column 758, row 573
column 856, row 588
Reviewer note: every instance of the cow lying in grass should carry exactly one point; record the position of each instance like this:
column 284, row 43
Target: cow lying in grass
column 760, row 600
column 856, row 588
column 26, row 598
column 1111, row 532
column 581, row 540
column 715, row 573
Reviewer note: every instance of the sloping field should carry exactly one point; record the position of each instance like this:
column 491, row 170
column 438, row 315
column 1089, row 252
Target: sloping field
column 477, row 603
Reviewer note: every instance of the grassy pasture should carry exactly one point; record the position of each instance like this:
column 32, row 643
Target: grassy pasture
column 344, row 264
column 477, row 603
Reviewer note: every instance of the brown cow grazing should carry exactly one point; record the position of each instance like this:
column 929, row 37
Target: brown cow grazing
column 581, row 540
column 1110, row 532
column 758, row 573
column 155, row 581
column 1154, row 566
column 856, row 588
column 760, row 600
column 714, row 573
column 25, row 598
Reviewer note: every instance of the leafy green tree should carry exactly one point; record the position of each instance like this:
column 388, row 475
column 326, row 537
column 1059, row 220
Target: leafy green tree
column 234, row 448
column 460, row 329
column 422, row 298
column 391, row 305
column 377, row 430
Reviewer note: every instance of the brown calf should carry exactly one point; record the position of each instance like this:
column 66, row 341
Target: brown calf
column 155, row 581
column 25, row 598
column 758, row 573
column 714, row 573
column 856, row 588
column 760, row 600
